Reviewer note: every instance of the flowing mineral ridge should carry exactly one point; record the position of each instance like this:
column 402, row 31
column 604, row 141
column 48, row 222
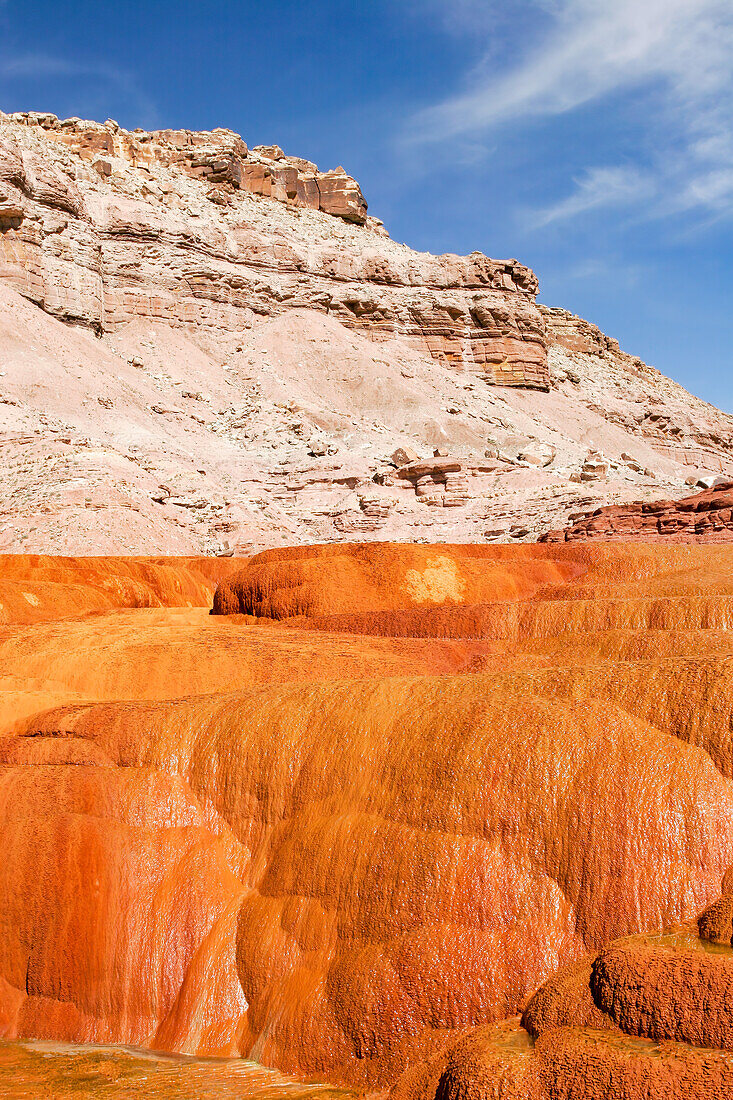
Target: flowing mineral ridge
column 328, row 763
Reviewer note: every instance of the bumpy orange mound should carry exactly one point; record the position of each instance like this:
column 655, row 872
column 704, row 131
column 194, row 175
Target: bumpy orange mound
column 35, row 588
column 647, row 1017
column 328, row 580
column 460, row 590
column 338, row 852
column 364, row 866
column 502, row 1063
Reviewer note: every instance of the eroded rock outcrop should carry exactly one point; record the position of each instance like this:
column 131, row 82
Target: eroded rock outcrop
column 116, row 226
column 704, row 517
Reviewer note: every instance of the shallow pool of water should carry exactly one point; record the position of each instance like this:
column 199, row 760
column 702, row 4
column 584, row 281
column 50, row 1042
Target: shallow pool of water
column 687, row 939
column 54, row 1071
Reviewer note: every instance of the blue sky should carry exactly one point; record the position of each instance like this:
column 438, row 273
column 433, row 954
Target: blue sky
column 592, row 139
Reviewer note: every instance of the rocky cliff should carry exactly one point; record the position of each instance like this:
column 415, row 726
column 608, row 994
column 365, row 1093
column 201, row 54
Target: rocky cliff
column 207, row 347
column 104, row 227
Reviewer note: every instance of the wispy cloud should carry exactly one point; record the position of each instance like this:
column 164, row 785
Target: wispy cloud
column 592, row 49
column 599, row 187
column 455, row 16
column 672, row 57
column 95, row 80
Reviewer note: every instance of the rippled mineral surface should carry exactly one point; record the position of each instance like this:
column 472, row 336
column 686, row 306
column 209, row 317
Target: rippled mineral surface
column 59, row 1070
column 350, row 826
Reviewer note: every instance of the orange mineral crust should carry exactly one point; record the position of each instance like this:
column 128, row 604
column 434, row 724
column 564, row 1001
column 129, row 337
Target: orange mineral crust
column 642, row 1019
column 163, row 653
column 327, row 580
column 35, row 587
column 350, row 823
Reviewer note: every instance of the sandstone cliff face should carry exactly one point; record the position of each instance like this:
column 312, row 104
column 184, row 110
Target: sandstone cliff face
column 194, row 363
column 119, row 226
column 703, row 517
column 351, row 848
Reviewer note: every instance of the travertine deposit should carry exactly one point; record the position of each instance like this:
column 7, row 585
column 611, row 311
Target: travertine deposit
column 61, row 1072
column 649, row 1016
column 372, row 804
column 211, row 348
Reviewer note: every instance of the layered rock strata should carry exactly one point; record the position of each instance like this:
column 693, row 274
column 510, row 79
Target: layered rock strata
column 199, row 357
column 117, row 226
column 702, row 517
column 149, row 440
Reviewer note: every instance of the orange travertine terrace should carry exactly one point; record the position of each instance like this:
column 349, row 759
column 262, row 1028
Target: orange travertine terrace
column 382, row 801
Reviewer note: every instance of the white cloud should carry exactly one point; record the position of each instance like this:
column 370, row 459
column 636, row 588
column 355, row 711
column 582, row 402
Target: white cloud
column 594, row 48
column 460, row 17
column 599, row 187
column 712, row 190
column 32, row 65
column 604, row 268
column 673, row 55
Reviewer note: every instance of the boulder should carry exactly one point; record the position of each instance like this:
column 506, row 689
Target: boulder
column 595, row 467
column 537, row 454
column 403, row 456
column 340, row 195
